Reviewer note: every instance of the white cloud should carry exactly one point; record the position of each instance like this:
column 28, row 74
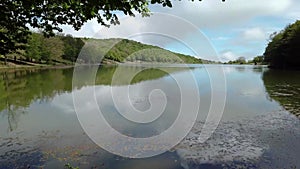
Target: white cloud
column 227, row 56
column 87, row 30
column 294, row 15
column 205, row 14
column 211, row 14
column 254, row 34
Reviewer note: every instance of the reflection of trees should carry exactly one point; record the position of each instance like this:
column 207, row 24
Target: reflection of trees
column 105, row 74
column 258, row 69
column 284, row 87
column 18, row 89
column 255, row 69
column 240, row 68
column 22, row 87
column 12, row 114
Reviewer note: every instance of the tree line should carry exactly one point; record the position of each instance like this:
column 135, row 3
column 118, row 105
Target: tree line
column 258, row 60
column 39, row 49
column 65, row 49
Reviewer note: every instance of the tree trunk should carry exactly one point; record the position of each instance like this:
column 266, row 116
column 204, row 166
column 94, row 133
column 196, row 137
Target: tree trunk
column 5, row 60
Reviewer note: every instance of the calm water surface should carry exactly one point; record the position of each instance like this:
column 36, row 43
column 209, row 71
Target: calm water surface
column 260, row 127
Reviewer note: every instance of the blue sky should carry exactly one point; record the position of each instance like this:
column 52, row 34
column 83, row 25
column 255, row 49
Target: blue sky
column 233, row 28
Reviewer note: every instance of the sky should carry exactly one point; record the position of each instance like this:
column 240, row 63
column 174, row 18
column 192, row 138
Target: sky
column 209, row 29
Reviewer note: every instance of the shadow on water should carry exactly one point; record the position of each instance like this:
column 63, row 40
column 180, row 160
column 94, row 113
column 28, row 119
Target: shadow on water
column 284, row 87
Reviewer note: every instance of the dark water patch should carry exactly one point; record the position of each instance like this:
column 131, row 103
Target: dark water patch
column 15, row 159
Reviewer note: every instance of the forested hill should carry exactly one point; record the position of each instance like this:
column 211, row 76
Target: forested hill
column 282, row 51
column 65, row 50
column 131, row 51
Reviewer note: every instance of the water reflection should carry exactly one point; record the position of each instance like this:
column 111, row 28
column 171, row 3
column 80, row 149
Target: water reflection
column 284, row 87
column 36, row 108
column 20, row 88
column 38, row 125
column 246, row 94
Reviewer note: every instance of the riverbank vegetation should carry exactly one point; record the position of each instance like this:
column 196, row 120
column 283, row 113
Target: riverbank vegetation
column 258, row 60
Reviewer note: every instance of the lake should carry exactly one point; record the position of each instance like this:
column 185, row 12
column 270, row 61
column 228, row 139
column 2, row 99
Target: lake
column 259, row 127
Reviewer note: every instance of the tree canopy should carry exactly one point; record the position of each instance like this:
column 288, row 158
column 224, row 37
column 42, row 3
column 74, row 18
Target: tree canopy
column 283, row 49
column 240, row 60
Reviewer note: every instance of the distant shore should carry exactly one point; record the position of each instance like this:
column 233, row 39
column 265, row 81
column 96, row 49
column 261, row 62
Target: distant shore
column 33, row 65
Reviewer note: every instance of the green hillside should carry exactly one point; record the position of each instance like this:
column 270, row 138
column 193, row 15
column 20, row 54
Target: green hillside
column 132, row 51
column 62, row 50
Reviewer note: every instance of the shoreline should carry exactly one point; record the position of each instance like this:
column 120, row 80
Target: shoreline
column 106, row 62
column 4, row 68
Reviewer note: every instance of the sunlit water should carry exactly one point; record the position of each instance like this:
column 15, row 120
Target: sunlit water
column 259, row 126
